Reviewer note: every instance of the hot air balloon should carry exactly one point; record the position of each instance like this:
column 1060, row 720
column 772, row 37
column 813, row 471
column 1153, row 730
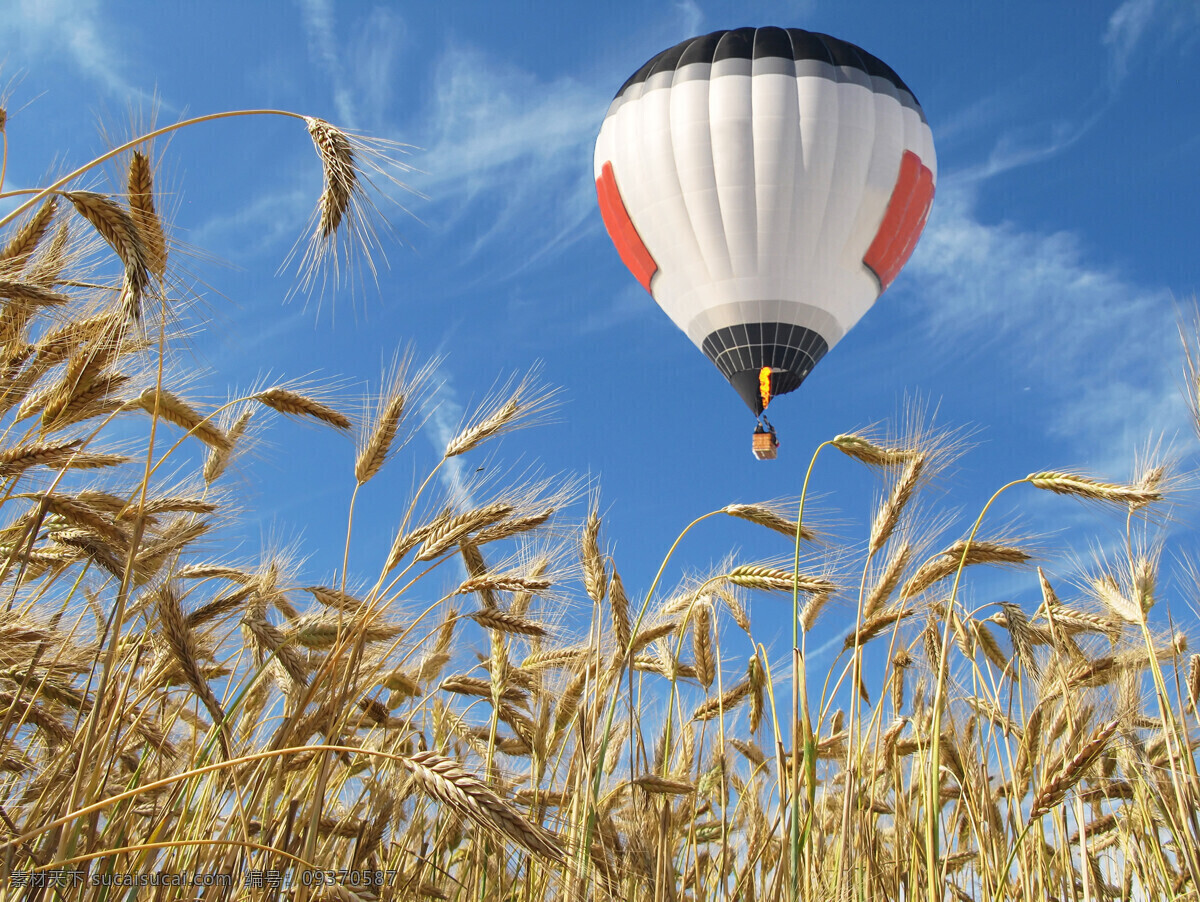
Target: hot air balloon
column 765, row 185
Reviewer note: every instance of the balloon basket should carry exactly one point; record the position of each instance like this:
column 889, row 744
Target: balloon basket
column 765, row 447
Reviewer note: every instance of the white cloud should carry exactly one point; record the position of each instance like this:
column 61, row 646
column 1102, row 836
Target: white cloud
column 1133, row 25
column 262, row 224
column 1103, row 350
column 630, row 303
column 374, row 49
column 499, row 137
column 1137, row 23
column 444, row 420
column 317, row 17
column 359, row 65
column 691, row 16
column 1028, row 145
column 70, row 31
column 1126, row 27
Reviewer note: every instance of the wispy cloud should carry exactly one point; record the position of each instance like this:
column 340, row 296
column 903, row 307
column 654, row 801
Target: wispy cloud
column 1132, row 26
column 1026, row 145
column 358, row 59
column 444, row 419
column 1140, row 28
column 261, row 225
column 691, row 16
column 375, row 47
column 629, row 304
column 1099, row 347
column 75, row 33
column 1126, row 28
column 501, row 138
column 317, row 17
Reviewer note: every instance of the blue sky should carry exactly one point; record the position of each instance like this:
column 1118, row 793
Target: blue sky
column 1039, row 310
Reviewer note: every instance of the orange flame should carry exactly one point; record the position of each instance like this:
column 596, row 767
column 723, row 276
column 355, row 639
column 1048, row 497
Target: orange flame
column 764, row 386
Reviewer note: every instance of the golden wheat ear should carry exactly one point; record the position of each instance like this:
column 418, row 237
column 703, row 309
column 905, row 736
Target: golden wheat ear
column 343, row 225
column 26, row 239
column 512, row 407
column 117, row 227
column 295, row 404
column 341, row 178
column 145, row 217
column 401, row 387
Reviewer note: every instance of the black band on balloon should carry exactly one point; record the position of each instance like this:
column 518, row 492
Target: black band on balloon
column 764, row 43
column 740, row 352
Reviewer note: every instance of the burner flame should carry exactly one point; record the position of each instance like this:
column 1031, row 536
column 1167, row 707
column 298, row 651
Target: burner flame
column 764, row 386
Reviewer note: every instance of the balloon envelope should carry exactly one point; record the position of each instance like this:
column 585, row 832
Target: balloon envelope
column 765, row 186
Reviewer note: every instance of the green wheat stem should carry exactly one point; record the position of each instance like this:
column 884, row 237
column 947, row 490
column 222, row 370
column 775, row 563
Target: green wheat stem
column 934, row 806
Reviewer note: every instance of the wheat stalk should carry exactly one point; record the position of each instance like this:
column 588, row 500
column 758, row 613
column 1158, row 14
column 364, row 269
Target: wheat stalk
column 652, row 634
column 889, row 579
column 503, row 582
column 504, row 622
column 764, row 516
column 868, row 452
column 269, row 638
column 512, row 526
column 467, row 685
column 656, row 785
column 812, row 609
column 594, row 572
column 1106, row 588
column 335, row 598
column 1193, row 683
column 724, row 703
column 217, row 608
column 873, row 626
column 214, row 571
column 751, row 576
column 756, row 679
column 618, row 603
column 323, row 630
column 447, row 530
column 947, row 563
column 444, row 779
column 117, row 228
column 29, row 294
column 26, row 239
column 1022, row 636
column 16, row 460
column 295, row 404
column 375, row 451
column 145, row 218
column 341, row 176
column 888, row 516
column 1093, row 490
column 218, row 457
column 170, row 407
column 1071, row 772
column 79, row 514
column 182, row 644
column 500, row 414
column 555, row 658
column 702, row 644
column 735, row 607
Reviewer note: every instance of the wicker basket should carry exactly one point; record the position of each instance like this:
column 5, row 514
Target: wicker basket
column 765, row 446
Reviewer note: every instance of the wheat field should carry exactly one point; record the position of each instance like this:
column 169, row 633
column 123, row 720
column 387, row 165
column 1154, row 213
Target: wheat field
column 488, row 713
